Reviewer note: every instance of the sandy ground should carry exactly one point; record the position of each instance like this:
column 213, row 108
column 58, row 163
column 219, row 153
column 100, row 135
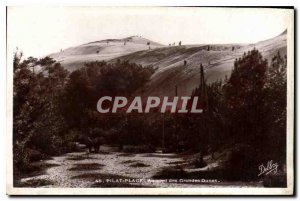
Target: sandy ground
column 110, row 168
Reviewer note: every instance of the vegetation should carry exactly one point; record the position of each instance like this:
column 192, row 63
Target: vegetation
column 248, row 110
column 53, row 109
column 86, row 166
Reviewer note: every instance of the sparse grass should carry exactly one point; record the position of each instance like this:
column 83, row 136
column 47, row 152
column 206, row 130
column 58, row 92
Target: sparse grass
column 176, row 162
column 129, row 161
column 86, row 166
column 35, row 169
column 162, row 156
column 38, row 168
column 103, row 152
column 127, row 154
column 33, row 183
column 139, row 165
column 79, row 157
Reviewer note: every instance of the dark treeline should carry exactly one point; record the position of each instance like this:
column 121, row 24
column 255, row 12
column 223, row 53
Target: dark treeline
column 248, row 111
column 53, row 109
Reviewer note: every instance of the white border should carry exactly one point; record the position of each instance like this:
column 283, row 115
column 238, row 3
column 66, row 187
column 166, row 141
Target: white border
column 162, row 191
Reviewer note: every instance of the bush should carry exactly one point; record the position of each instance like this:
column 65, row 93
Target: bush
column 35, row 155
column 242, row 164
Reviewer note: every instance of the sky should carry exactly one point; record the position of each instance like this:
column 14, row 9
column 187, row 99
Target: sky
column 39, row 31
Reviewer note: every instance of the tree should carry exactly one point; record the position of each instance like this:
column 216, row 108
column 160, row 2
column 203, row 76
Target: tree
column 275, row 105
column 94, row 80
column 38, row 124
column 244, row 93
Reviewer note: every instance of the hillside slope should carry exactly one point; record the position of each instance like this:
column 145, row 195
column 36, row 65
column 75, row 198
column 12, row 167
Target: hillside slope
column 218, row 62
column 169, row 60
column 74, row 57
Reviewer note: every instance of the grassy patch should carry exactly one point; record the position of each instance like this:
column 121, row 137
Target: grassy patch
column 103, row 152
column 176, row 162
column 129, row 161
column 127, row 154
column 86, row 166
column 33, row 183
column 37, row 168
column 79, row 157
column 139, row 165
column 162, row 155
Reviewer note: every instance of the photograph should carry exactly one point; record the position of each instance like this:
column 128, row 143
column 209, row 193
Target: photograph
column 150, row 100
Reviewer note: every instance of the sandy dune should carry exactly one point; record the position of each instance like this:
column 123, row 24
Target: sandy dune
column 218, row 61
column 75, row 57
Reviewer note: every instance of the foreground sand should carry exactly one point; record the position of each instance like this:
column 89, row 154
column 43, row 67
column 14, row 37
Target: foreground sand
column 117, row 169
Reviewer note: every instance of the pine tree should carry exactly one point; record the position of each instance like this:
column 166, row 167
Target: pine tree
column 245, row 96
